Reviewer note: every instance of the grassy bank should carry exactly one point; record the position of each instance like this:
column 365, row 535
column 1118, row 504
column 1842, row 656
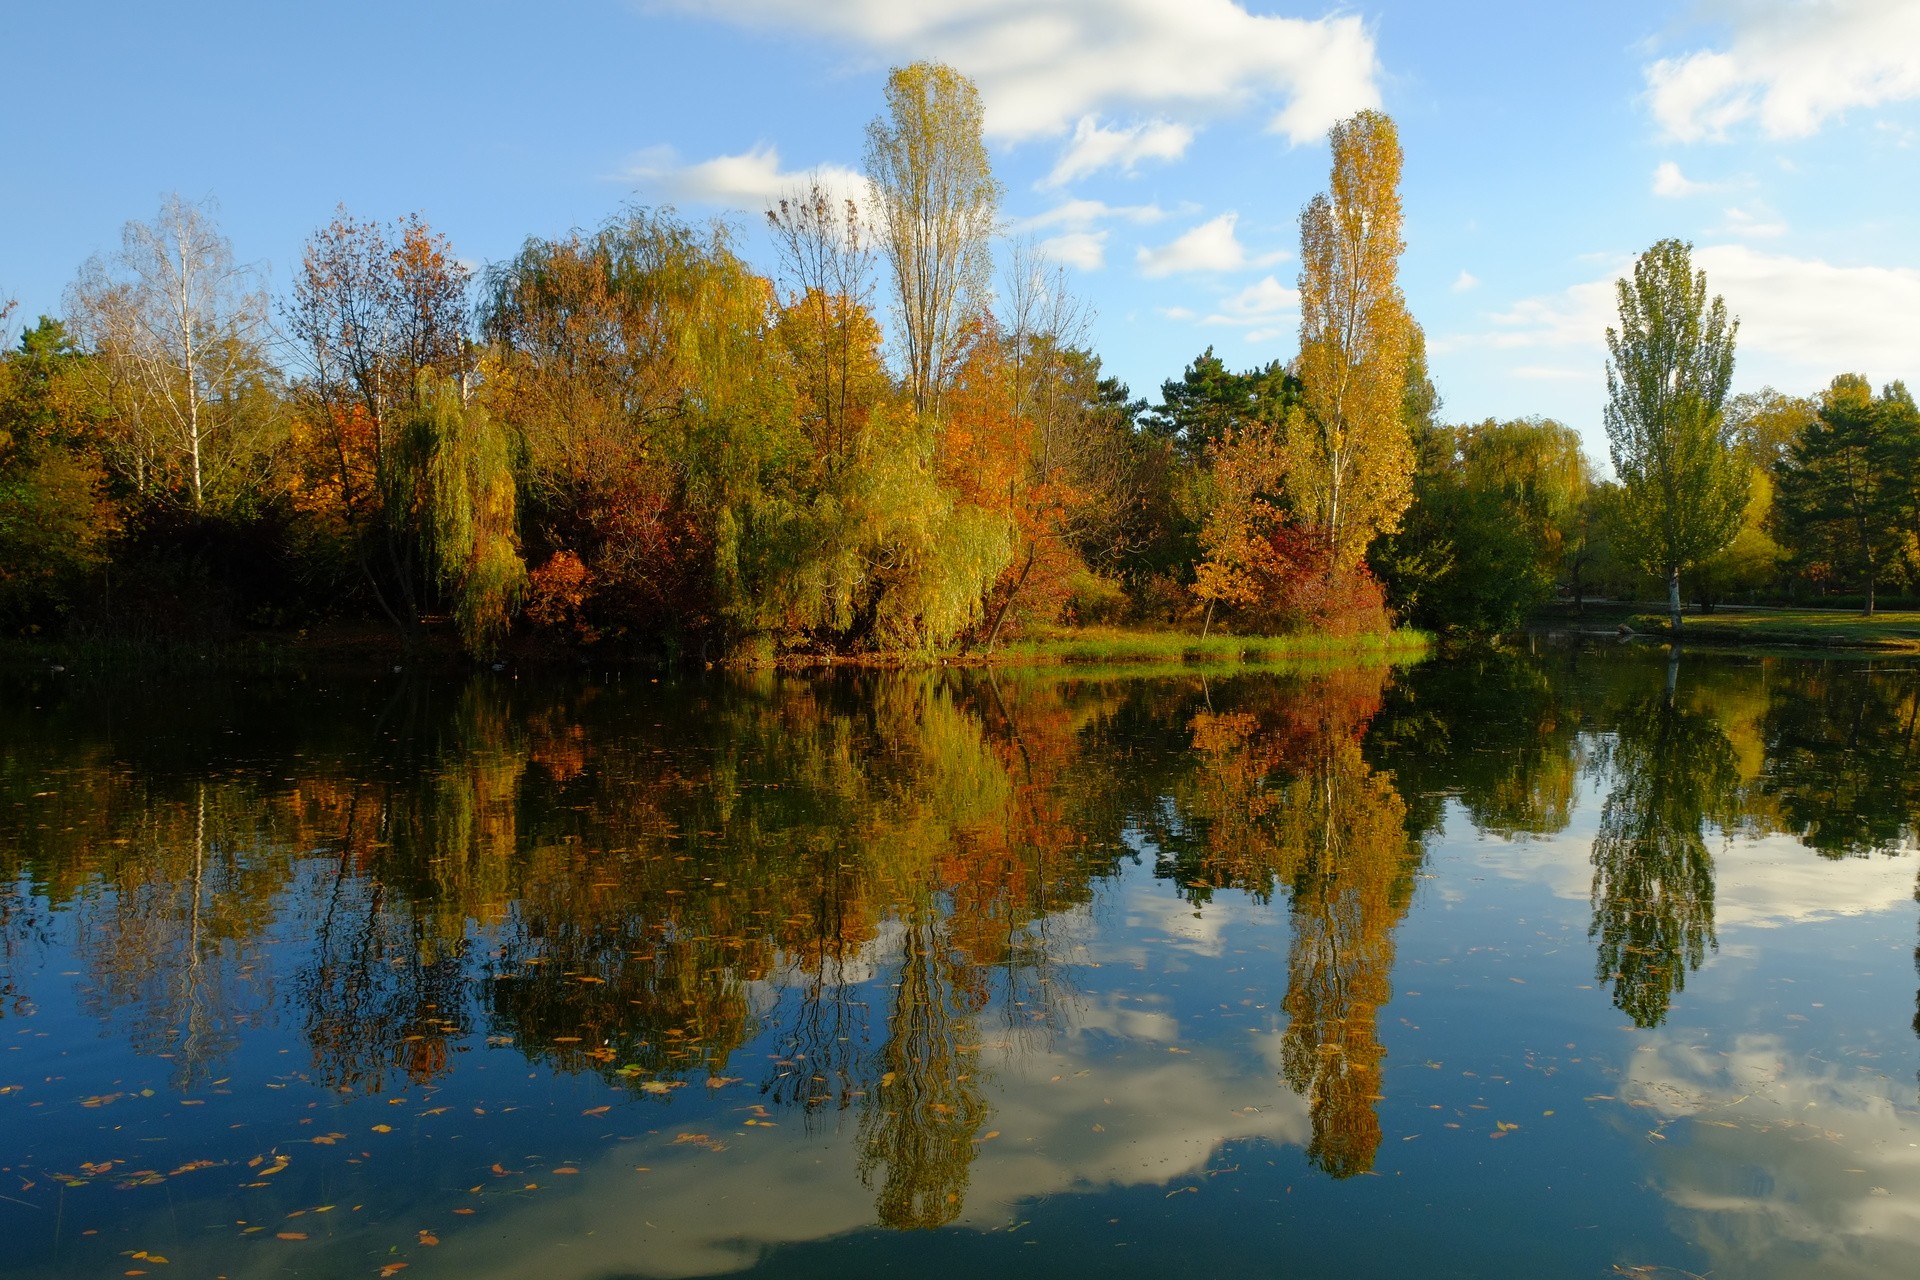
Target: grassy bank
column 1108, row 649
column 1892, row 632
column 1097, row 646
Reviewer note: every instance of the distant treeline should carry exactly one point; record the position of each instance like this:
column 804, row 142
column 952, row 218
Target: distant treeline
column 630, row 436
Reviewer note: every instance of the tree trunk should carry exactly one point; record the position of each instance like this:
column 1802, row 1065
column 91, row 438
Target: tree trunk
column 1673, row 599
column 1000, row 614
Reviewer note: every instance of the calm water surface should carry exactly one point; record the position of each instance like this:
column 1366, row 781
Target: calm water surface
column 1556, row 965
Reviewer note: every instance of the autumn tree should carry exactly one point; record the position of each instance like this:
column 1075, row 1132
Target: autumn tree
column 826, row 253
column 1057, row 467
column 1348, row 456
column 1668, row 367
column 936, row 200
column 1244, row 563
column 374, row 307
column 180, row 331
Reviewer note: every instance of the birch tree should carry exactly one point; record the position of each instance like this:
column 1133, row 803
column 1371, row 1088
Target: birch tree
column 179, row 327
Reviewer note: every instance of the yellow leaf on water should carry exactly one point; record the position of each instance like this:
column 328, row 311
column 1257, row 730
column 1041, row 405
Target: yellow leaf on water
column 596, row 1111
column 383, row 1128
column 289, row 1235
column 566, row 1168
column 887, row 1079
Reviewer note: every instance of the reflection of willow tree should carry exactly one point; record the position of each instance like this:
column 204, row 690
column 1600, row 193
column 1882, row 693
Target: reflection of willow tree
column 1287, row 796
column 1674, row 771
column 769, row 875
column 629, row 881
column 385, row 986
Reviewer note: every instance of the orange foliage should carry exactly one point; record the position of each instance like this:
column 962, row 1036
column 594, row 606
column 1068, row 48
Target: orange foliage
column 557, row 592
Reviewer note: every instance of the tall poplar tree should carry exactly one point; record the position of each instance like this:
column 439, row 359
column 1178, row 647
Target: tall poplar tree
column 1349, row 457
column 1668, row 366
column 936, row 198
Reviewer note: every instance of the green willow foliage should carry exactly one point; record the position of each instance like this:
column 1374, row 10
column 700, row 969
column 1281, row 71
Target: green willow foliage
column 463, row 468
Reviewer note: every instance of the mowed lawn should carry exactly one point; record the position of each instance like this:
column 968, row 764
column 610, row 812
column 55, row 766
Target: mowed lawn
column 1819, row 627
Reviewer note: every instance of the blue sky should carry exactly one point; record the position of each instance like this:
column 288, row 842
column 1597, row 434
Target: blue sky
column 1160, row 148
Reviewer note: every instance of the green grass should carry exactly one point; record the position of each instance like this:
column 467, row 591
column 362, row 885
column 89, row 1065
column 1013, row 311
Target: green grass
column 1103, row 646
column 1899, row 632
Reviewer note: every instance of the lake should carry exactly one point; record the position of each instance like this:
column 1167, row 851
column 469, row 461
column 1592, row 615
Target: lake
column 1569, row 962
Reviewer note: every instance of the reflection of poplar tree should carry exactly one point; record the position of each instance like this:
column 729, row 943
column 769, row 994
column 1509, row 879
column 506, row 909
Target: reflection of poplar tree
column 1286, row 796
column 917, row 1133
column 1352, row 883
column 1652, row 872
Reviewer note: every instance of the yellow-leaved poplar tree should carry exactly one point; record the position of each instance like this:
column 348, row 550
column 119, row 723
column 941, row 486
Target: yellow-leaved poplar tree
column 1349, row 458
column 936, row 202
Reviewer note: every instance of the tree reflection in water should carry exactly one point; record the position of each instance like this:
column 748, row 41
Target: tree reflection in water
column 1674, row 772
column 1286, row 798
column 865, row 878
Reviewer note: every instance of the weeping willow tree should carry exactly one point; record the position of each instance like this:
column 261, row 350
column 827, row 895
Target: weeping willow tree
column 458, row 486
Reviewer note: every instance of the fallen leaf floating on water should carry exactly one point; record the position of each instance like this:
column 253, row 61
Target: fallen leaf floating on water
column 428, row 1238
column 289, row 1235
column 392, row 1269
column 383, row 1128
column 596, row 1111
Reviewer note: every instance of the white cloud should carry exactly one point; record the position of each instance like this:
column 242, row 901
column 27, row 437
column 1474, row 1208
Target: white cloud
column 1824, row 318
column 1802, row 320
column 1756, row 222
column 1789, row 66
column 1084, row 249
column 1788, row 1162
column 1094, row 147
column 1551, row 373
column 1258, row 304
column 1465, row 282
column 1575, row 317
column 1670, row 183
column 1211, row 246
column 750, row 180
column 1078, row 215
column 1043, row 64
